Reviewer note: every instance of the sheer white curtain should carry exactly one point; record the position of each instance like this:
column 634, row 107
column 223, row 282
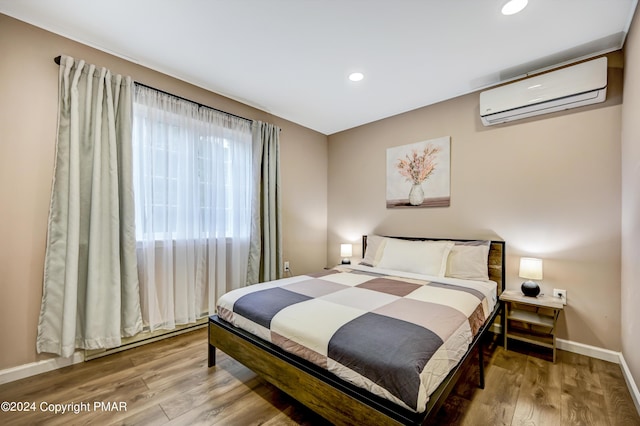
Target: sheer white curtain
column 192, row 175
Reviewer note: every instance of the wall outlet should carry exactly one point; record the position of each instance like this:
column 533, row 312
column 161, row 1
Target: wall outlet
column 562, row 294
column 286, row 266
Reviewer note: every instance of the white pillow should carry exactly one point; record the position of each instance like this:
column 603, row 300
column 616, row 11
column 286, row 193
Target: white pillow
column 373, row 253
column 420, row 257
column 469, row 261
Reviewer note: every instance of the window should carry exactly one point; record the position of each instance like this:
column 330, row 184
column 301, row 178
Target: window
column 192, row 189
column 192, row 170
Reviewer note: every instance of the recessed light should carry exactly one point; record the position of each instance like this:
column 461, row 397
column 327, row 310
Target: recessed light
column 514, row 6
column 356, row 76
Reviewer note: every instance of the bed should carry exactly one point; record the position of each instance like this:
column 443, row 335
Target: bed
column 344, row 361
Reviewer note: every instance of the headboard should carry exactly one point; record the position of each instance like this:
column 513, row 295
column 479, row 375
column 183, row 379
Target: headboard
column 496, row 261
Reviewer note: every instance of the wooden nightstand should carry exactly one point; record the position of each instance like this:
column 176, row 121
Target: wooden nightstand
column 531, row 319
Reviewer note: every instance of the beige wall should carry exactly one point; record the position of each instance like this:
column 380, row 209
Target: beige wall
column 549, row 186
column 630, row 293
column 28, row 110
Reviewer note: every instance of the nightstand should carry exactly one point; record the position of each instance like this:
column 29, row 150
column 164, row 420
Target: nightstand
column 531, row 319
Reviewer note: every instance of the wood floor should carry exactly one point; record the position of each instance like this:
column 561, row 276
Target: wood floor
column 168, row 383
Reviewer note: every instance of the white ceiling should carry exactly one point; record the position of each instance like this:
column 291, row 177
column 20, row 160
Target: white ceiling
column 291, row 58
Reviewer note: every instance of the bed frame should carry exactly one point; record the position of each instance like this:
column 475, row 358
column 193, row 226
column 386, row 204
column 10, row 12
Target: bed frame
column 333, row 398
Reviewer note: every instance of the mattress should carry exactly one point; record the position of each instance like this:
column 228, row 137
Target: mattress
column 394, row 334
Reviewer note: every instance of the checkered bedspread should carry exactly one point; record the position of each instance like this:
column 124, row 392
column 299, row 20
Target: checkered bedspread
column 395, row 336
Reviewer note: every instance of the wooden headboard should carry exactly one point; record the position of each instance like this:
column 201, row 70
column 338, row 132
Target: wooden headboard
column 496, row 261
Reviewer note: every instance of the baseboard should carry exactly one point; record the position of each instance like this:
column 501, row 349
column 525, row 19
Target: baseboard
column 631, row 384
column 578, row 348
column 144, row 338
column 38, row 367
column 587, row 350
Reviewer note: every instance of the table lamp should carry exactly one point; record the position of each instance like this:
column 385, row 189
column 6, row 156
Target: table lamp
column 346, row 251
column 530, row 269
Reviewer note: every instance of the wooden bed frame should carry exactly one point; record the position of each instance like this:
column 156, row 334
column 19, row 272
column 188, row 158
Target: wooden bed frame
column 333, row 398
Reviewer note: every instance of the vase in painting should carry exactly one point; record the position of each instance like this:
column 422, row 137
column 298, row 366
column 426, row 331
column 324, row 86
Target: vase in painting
column 416, row 194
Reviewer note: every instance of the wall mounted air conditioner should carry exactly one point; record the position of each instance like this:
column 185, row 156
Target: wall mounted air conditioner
column 566, row 88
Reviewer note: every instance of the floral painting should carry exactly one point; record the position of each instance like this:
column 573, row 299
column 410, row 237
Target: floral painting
column 418, row 175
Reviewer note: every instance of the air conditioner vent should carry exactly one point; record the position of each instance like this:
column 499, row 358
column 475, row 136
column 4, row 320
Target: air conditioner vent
column 566, row 88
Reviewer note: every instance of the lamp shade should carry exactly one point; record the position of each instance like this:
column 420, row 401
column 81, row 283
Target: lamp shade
column 530, row 268
column 346, row 250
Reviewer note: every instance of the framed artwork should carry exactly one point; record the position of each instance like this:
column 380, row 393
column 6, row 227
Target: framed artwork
column 419, row 174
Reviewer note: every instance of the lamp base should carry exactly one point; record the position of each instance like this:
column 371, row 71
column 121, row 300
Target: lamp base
column 530, row 288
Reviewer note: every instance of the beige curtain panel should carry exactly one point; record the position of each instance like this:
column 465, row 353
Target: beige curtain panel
column 265, row 252
column 90, row 295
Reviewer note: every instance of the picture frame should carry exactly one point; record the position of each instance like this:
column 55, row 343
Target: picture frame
column 419, row 174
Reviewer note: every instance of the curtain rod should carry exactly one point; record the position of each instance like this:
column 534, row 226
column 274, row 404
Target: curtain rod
column 57, row 61
column 193, row 102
